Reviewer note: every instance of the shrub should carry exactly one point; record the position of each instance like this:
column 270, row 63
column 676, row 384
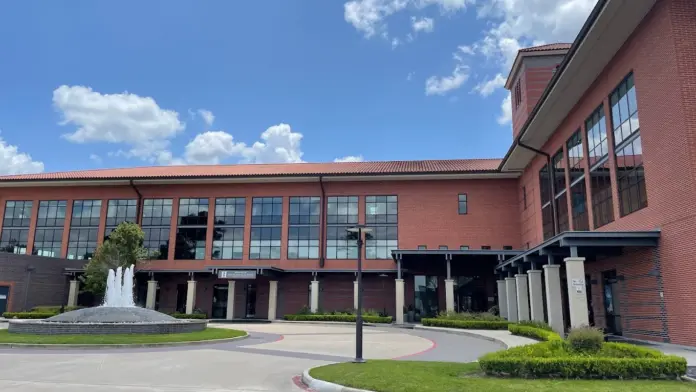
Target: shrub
column 533, row 332
column 337, row 317
column 625, row 350
column 194, row 316
column 466, row 316
column 536, row 324
column 28, row 315
column 305, row 310
column 464, row 324
column 586, row 339
column 54, row 309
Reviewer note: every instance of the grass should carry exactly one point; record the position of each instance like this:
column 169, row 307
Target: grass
column 207, row 334
column 413, row 376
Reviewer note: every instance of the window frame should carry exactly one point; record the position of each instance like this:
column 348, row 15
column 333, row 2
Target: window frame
column 465, row 203
column 155, row 219
column 338, row 240
column 260, row 227
column 301, row 224
column 384, row 237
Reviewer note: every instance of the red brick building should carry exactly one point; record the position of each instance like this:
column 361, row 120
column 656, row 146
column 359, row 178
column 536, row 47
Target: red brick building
column 603, row 201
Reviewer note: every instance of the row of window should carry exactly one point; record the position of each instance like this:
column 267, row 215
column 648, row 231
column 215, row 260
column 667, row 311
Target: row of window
column 463, row 247
column 629, row 168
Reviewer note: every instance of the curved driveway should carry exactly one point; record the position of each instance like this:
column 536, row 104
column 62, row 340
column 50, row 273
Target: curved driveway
column 266, row 361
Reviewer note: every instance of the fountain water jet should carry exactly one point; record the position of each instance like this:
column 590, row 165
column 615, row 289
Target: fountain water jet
column 119, row 288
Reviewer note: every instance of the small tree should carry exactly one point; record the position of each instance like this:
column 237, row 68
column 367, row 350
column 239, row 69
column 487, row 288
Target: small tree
column 123, row 249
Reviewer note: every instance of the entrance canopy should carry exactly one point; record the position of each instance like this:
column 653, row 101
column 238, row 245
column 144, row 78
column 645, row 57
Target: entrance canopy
column 437, row 261
column 588, row 244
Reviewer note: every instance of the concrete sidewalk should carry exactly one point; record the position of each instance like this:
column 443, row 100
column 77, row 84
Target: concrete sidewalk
column 501, row 336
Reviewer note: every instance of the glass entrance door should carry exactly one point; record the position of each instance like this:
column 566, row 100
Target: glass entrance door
column 426, row 301
column 250, row 300
column 611, row 295
column 4, row 298
column 220, row 301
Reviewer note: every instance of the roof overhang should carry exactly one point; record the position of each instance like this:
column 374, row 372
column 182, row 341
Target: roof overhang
column 606, row 30
column 401, row 253
column 589, row 244
column 493, row 174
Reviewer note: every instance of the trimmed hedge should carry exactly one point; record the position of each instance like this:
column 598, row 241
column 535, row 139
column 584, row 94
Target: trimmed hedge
column 54, row 309
column 533, row 333
column 194, row 316
column 463, row 324
column 28, row 315
column 337, row 317
column 556, row 358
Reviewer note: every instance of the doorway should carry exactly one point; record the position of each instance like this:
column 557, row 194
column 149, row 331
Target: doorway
column 426, row 300
column 220, row 292
column 250, row 307
column 181, row 290
column 4, row 298
column 612, row 308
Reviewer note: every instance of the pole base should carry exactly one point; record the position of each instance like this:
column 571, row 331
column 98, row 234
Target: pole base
column 358, row 360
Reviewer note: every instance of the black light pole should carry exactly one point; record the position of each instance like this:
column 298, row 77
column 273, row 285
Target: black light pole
column 359, row 229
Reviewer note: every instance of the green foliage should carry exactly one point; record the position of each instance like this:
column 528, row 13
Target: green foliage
column 466, row 316
column 55, row 309
column 464, row 324
column 28, row 315
column 533, row 332
column 123, row 249
column 586, row 339
column 194, row 316
column 337, row 317
column 557, row 358
column 536, row 324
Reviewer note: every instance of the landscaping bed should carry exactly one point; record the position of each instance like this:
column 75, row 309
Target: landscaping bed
column 483, row 320
column 414, row 376
column 337, row 317
column 39, row 312
column 207, row 334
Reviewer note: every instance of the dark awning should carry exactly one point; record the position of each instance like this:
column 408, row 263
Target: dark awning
column 587, row 244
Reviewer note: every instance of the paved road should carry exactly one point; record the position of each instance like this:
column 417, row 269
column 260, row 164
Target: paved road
column 266, row 361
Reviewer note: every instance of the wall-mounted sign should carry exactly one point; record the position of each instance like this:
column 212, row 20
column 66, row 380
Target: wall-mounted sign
column 237, row 274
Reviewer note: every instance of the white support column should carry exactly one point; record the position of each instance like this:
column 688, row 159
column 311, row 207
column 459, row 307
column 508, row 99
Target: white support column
column 449, row 295
column 502, row 298
column 554, row 300
column 577, row 294
column 355, row 294
column 272, row 299
column 399, row 301
column 522, row 297
column 314, row 296
column 230, row 299
column 74, row 291
column 511, row 291
column 191, row 297
column 536, row 296
column 151, row 297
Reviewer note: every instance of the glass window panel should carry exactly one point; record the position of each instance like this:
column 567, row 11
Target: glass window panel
column 190, row 243
column 596, row 135
column 631, row 177
column 119, row 211
column 82, row 243
column 602, row 201
column 17, row 213
column 193, row 212
column 14, row 240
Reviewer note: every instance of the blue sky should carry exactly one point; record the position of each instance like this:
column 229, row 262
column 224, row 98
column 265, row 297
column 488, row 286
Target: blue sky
column 86, row 84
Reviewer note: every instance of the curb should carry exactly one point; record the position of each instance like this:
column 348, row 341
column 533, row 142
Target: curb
column 688, row 379
column 465, row 333
column 324, row 386
column 102, row 346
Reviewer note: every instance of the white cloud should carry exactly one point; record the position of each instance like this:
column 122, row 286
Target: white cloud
column 14, row 162
column 280, row 145
column 350, row 158
column 426, row 25
column 125, row 118
column 466, row 49
column 395, row 42
column 487, row 87
column 436, row 85
column 410, row 75
column 96, row 158
column 208, row 116
column 506, row 111
column 211, row 147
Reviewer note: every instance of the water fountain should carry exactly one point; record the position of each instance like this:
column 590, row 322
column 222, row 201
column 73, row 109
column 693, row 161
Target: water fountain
column 118, row 315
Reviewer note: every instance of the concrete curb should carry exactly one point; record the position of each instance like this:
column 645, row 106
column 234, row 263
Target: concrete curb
column 324, row 386
column 103, row 346
column 465, row 333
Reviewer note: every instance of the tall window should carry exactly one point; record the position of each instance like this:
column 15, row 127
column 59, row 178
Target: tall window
column 463, row 208
column 561, row 195
column 518, row 93
column 49, row 228
column 546, row 208
column 600, row 181
column 341, row 214
column 156, row 223
column 629, row 150
column 192, row 229
column 578, row 195
column 84, row 226
column 228, row 237
column 266, row 221
column 303, row 231
column 119, row 211
column 524, row 196
column 15, row 227
column 381, row 214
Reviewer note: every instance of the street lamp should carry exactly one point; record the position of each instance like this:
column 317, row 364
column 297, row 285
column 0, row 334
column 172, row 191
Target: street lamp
column 359, row 229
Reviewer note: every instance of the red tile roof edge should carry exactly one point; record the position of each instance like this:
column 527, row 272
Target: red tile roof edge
column 553, row 46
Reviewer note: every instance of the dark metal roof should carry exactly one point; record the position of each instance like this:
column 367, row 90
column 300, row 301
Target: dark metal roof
column 455, row 252
column 588, row 240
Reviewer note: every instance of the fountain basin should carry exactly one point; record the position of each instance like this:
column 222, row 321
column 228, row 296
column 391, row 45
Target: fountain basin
column 107, row 321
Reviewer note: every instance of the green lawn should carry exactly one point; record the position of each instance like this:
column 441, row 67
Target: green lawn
column 208, row 334
column 412, row 376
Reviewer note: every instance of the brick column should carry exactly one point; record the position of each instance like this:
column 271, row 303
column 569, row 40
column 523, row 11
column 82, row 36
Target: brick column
column 172, row 228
